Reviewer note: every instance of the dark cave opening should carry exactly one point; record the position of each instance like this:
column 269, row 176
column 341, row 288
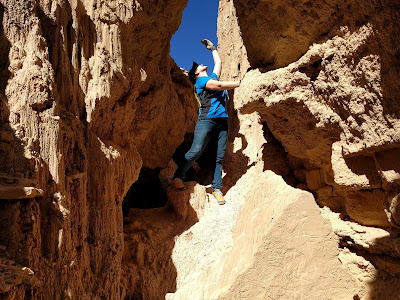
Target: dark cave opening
column 150, row 191
column 146, row 192
column 151, row 224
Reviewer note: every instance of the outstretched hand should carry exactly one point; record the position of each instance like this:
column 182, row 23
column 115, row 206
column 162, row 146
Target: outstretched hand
column 209, row 45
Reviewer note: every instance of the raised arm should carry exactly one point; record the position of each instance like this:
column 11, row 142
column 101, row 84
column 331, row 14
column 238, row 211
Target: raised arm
column 217, row 63
column 215, row 84
column 217, row 60
column 221, row 85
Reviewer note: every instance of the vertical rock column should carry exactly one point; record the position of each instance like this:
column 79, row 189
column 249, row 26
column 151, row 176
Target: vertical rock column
column 239, row 153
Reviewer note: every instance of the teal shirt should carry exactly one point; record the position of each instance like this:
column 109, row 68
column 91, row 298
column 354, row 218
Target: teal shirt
column 212, row 103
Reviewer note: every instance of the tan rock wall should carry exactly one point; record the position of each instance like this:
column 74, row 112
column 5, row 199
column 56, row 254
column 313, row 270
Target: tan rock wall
column 331, row 106
column 322, row 83
column 269, row 241
column 87, row 92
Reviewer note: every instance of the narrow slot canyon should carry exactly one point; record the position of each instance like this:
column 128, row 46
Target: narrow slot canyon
column 96, row 113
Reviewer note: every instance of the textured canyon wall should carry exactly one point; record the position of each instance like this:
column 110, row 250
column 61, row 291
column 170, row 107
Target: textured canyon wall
column 335, row 106
column 319, row 105
column 273, row 241
column 87, row 91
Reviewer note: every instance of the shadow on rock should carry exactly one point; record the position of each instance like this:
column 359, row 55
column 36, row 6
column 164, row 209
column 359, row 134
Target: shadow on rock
column 384, row 256
column 388, row 37
column 235, row 162
column 148, row 269
column 280, row 162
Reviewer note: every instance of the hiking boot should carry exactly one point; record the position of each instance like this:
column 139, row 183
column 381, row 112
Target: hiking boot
column 178, row 184
column 219, row 196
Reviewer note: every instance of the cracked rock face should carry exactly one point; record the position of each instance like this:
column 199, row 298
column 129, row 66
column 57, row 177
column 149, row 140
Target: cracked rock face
column 322, row 81
column 330, row 109
column 87, row 92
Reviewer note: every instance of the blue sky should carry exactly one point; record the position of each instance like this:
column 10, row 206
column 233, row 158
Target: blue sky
column 199, row 21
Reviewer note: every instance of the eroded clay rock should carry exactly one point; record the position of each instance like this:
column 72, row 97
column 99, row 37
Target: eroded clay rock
column 243, row 255
column 314, row 117
column 149, row 270
column 87, row 92
column 331, row 105
column 320, row 85
column 370, row 254
column 192, row 209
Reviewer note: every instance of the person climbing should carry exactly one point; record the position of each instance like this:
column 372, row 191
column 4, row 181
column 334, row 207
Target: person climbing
column 212, row 122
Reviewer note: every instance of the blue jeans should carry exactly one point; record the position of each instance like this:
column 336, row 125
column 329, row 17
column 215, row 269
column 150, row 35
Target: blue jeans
column 206, row 129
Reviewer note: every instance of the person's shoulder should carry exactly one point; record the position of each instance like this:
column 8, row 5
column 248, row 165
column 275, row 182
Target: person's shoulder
column 201, row 81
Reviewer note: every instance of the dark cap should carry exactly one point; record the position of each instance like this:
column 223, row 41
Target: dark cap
column 192, row 73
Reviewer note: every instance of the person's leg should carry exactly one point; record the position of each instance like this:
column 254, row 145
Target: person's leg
column 201, row 138
column 222, row 135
